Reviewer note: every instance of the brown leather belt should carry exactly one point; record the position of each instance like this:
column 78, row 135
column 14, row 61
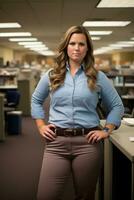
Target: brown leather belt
column 73, row 131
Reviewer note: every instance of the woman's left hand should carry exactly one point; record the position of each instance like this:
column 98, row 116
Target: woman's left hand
column 96, row 135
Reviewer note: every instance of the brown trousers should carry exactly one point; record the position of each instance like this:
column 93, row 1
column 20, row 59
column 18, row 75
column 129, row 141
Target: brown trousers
column 65, row 156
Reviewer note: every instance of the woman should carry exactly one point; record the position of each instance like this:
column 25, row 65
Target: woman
column 73, row 136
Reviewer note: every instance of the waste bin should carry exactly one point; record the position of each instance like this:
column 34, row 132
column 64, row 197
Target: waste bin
column 14, row 122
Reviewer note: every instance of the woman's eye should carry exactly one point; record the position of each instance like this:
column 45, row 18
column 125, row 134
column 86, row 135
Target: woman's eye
column 81, row 44
column 72, row 43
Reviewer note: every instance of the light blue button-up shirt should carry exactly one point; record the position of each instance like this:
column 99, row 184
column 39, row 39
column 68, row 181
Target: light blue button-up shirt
column 73, row 104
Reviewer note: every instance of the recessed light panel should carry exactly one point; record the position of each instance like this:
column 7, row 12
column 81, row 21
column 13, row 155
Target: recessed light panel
column 116, row 4
column 106, row 23
column 95, row 38
column 100, row 32
column 30, row 43
column 15, row 34
column 10, row 25
column 22, row 39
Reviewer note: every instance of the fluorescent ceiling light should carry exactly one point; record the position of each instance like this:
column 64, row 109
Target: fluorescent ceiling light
column 121, row 45
column 95, row 38
column 22, row 39
column 115, row 4
column 35, row 46
column 116, row 47
column 125, row 42
column 100, row 51
column 106, row 23
column 47, row 53
column 109, row 48
column 103, row 50
column 29, row 43
column 13, row 34
column 10, row 25
column 39, row 48
column 100, row 32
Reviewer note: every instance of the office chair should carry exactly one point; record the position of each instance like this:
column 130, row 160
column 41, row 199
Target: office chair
column 12, row 117
column 12, row 100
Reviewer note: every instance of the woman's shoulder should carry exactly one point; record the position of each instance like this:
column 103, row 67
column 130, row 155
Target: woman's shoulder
column 45, row 77
column 102, row 79
column 101, row 75
column 47, row 73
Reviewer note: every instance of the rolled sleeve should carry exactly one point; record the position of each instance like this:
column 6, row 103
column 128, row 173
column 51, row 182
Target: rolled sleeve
column 39, row 95
column 111, row 100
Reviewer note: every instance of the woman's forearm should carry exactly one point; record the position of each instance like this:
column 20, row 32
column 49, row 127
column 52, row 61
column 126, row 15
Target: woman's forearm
column 40, row 123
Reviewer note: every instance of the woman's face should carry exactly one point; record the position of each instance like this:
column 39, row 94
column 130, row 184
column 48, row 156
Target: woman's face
column 77, row 48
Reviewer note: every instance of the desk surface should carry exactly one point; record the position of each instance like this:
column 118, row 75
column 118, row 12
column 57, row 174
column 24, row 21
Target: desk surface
column 6, row 87
column 120, row 138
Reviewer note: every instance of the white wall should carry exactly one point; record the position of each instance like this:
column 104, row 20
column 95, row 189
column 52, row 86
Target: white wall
column 6, row 54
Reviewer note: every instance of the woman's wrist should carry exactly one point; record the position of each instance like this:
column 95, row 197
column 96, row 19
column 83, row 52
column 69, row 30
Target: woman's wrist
column 108, row 128
column 107, row 131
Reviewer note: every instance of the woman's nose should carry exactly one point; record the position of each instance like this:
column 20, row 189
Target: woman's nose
column 76, row 46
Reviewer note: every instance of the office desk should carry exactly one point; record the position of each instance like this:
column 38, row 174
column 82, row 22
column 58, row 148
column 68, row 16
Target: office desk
column 8, row 87
column 119, row 163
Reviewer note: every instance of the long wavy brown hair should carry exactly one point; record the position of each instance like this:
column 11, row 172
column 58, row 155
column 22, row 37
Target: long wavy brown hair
column 57, row 75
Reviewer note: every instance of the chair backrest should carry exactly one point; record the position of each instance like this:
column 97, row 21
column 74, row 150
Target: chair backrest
column 12, row 98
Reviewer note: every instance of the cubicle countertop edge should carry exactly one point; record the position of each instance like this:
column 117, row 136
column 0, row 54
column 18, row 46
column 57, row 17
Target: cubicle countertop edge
column 120, row 138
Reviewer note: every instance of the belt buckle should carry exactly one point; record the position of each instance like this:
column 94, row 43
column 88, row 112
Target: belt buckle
column 68, row 131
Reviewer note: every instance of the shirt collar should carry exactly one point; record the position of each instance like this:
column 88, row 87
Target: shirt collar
column 68, row 67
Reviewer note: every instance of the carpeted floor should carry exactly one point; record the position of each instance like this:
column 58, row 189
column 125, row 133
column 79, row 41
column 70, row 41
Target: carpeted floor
column 20, row 163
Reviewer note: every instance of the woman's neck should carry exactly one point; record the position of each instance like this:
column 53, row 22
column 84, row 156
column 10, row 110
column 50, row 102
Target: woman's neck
column 74, row 65
column 74, row 68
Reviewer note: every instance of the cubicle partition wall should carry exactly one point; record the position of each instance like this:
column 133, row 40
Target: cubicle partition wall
column 26, row 88
column 2, row 121
column 119, row 165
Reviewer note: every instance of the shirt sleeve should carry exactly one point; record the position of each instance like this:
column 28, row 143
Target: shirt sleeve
column 111, row 100
column 39, row 95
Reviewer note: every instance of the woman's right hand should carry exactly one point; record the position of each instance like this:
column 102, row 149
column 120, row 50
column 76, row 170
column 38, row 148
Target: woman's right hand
column 46, row 132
